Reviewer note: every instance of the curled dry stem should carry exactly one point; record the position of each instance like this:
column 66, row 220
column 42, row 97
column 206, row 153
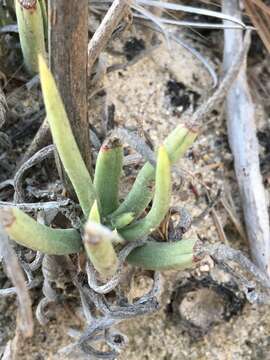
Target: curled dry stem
column 47, row 152
column 114, row 315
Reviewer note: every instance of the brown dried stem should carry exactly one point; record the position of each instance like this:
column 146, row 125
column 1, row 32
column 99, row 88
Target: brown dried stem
column 68, row 28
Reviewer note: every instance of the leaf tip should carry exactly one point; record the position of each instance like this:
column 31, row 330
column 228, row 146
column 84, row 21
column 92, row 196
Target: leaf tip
column 94, row 213
column 7, row 217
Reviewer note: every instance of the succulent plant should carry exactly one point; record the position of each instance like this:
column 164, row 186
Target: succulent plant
column 108, row 223
column 32, row 25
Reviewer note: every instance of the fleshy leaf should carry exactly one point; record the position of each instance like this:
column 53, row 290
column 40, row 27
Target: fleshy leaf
column 27, row 232
column 161, row 256
column 161, row 202
column 31, row 32
column 107, row 175
column 98, row 242
column 64, row 140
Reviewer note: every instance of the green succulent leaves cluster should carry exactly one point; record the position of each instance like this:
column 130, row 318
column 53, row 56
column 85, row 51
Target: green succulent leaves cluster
column 108, row 221
column 33, row 29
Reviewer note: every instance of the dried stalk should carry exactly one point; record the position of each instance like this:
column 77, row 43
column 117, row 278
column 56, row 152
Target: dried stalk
column 244, row 145
column 220, row 94
column 105, row 30
column 260, row 17
column 16, row 275
column 30, row 207
column 3, row 108
column 44, row 153
column 68, row 40
column 41, row 139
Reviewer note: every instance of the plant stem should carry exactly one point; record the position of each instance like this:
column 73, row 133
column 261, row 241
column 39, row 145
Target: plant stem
column 16, row 275
column 68, row 40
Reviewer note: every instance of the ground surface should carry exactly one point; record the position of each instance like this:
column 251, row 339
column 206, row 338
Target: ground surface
column 152, row 95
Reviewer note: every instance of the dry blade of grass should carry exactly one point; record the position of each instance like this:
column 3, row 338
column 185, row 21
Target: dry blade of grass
column 176, row 7
column 259, row 14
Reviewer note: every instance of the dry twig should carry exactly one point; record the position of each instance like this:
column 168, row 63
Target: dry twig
column 260, row 16
column 41, row 139
column 3, row 107
column 245, row 149
column 220, row 94
column 16, row 275
column 104, row 32
column 44, row 153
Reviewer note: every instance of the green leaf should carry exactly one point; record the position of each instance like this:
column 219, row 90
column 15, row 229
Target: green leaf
column 94, row 213
column 140, row 195
column 107, row 175
column 123, row 220
column 64, row 140
column 161, row 256
column 161, row 202
column 177, row 143
column 31, row 32
column 27, row 232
